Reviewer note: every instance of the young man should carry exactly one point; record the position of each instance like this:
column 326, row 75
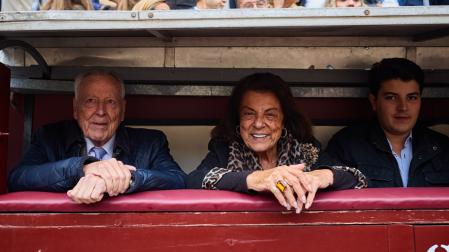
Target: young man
column 394, row 151
column 95, row 154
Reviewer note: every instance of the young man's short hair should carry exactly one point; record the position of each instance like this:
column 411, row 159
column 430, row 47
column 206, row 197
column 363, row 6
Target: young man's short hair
column 394, row 68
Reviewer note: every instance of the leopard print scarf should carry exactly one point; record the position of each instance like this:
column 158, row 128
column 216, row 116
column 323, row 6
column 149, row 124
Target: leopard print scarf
column 290, row 151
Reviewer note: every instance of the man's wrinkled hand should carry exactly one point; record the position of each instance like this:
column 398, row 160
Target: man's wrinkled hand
column 89, row 189
column 116, row 175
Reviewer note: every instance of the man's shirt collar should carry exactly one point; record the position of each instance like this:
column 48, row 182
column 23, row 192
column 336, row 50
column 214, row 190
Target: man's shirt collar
column 108, row 146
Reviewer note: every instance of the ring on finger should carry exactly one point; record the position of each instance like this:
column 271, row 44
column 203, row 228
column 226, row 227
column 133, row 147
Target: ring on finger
column 281, row 185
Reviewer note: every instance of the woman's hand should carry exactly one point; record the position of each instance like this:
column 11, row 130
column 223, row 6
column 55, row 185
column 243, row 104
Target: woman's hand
column 319, row 179
column 296, row 181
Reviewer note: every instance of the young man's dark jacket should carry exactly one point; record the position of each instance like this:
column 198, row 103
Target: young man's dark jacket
column 55, row 159
column 366, row 148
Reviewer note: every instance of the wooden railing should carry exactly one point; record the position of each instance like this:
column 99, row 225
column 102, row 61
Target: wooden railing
column 389, row 219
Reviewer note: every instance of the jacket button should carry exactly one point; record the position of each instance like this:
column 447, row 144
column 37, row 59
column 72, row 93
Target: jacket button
column 435, row 148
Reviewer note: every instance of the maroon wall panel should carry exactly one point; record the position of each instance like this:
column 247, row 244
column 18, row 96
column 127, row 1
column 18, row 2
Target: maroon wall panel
column 201, row 110
column 401, row 238
column 342, row 111
column 51, row 108
column 16, row 120
column 184, row 109
column 4, row 124
column 432, row 238
column 223, row 231
column 196, row 238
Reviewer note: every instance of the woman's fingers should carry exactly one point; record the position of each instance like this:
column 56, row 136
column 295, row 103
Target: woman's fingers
column 310, row 198
column 296, row 188
column 291, row 186
column 304, row 184
column 300, row 197
column 318, row 179
column 290, row 197
column 306, row 181
column 279, row 196
column 311, row 195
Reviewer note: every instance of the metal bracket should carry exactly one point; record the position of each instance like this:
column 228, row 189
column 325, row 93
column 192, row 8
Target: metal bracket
column 164, row 36
column 32, row 51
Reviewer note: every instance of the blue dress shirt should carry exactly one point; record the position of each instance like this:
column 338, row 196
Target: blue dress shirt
column 404, row 159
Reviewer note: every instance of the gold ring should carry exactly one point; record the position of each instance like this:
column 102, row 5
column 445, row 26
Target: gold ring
column 281, row 185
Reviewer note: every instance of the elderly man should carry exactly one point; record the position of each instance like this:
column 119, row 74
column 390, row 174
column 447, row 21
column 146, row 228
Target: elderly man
column 95, row 155
column 395, row 151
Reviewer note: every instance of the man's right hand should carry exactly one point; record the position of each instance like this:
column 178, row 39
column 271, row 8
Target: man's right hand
column 116, row 175
column 89, row 189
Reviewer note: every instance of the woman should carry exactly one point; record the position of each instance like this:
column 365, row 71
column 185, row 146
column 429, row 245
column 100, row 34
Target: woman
column 125, row 5
column 345, row 3
column 210, row 4
column 265, row 144
column 67, row 5
column 151, row 5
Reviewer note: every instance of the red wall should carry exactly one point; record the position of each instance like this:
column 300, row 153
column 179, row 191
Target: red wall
column 4, row 116
column 199, row 110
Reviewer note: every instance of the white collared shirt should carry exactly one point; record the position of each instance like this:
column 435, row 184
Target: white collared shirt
column 404, row 158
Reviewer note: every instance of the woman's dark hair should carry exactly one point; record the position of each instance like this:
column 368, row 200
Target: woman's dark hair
column 294, row 121
column 394, row 68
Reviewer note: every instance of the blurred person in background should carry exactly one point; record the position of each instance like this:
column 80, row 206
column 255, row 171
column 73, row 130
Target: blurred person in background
column 73, row 5
column 151, row 5
column 395, row 3
column 154, row 5
column 16, row 5
column 283, row 3
column 252, row 4
column 210, row 4
column 344, row 3
column 315, row 3
column 67, row 5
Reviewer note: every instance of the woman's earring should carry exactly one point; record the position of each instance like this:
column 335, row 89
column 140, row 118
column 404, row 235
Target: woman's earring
column 284, row 133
